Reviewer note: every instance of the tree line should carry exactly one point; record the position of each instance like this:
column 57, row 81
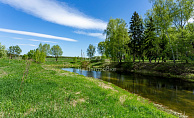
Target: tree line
column 38, row 55
column 164, row 34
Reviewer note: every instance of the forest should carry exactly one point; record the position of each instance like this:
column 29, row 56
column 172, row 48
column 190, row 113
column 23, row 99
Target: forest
column 166, row 33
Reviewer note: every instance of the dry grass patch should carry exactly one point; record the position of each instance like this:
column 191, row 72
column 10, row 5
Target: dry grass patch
column 105, row 86
column 77, row 93
column 122, row 99
column 166, row 109
column 29, row 111
column 2, row 73
column 74, row 102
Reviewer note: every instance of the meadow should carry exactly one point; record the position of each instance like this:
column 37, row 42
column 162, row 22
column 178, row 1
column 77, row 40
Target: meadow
column 28, row 89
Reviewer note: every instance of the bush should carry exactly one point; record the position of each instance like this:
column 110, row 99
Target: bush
column 84, row 64
column 75, row 59
column 25, row 57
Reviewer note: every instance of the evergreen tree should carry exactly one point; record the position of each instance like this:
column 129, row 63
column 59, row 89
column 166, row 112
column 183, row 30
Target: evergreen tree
column 150, row 39
column 136, row 33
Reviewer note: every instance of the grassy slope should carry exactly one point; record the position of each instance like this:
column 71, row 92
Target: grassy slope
column 51, row 92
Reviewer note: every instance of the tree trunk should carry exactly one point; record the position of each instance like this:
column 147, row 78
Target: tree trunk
column 171, row 48
column 143, row 59
column 120, row 59
column 56, row 58
column 150, row 60
column 133, row 58
column 155, row 59
column 159, row 60
column 162, row 59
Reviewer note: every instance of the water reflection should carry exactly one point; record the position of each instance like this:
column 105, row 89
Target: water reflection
column 175, row 94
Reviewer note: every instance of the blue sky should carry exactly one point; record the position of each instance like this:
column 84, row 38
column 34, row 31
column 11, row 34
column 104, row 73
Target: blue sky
column 72, row 24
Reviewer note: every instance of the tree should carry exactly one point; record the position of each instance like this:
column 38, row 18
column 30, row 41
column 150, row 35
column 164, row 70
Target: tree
column 11, row 51
column 3, row 52
column 150, row 39
column 25, row 57
column 17, row 50
column 101, row 47
column 91, row 51
column 116, row 39
column 136, row 33
column 31, row 54
column 56, row 51
column 162, row 15
column 14, row 50
column 183, row 10
column 170, row 18
column 44, row 48
column 39, row 56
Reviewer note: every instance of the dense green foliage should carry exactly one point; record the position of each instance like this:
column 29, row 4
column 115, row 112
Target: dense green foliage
column 25, row 57
column 136, row 34
column 164, row 34
column 45, row 48
column 31, row 54
column 116, row 39
column 39, row 56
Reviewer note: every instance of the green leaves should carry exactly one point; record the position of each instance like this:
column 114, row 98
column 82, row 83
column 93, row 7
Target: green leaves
column 14, row 50
column 91, row 51
column 101, row 47
column 116, row 39
column 56, row 51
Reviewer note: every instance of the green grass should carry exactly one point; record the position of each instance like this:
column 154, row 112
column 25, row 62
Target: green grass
column 52, row 92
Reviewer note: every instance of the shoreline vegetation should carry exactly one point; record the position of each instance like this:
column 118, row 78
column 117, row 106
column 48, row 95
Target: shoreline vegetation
column 184, row 71
column 47, row 91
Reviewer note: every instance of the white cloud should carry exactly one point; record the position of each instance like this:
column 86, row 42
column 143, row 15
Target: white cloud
column 57, row 12
column 42, row 41
column 36, row 34
column 98, row 35
column 28, row 45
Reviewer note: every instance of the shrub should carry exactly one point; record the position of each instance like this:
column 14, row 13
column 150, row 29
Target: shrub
column 25, row 57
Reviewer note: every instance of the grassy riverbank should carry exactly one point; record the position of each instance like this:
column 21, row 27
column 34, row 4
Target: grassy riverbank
column 168, row 70
column 50, row 92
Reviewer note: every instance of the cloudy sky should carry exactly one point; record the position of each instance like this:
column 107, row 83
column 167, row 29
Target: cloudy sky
column 72, row 24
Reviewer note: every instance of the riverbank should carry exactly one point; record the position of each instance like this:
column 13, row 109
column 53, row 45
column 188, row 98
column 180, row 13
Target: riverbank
column 168, row 70
column 45, row 91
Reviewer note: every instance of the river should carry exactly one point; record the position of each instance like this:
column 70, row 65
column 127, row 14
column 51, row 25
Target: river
column 176, row 94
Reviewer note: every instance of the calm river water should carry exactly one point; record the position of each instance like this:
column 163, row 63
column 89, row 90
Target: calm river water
column 175, row 94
